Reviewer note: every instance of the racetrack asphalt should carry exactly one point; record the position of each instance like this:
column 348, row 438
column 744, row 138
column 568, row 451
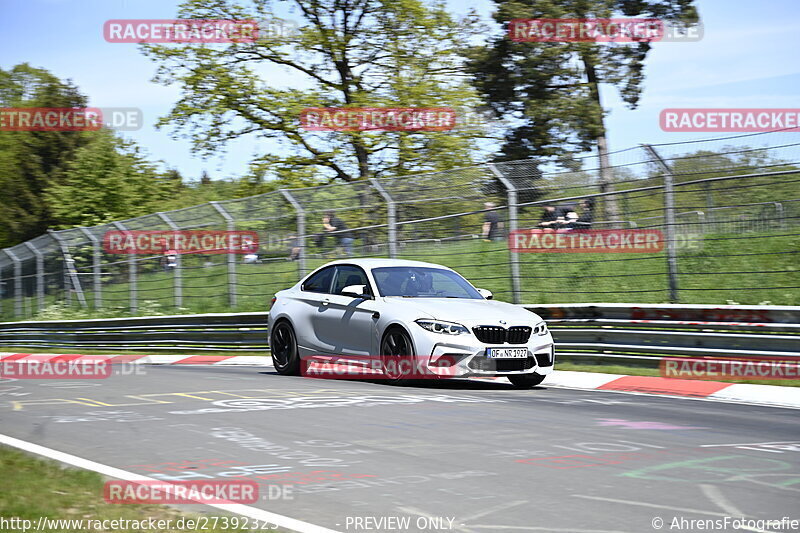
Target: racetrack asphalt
column 467, row 456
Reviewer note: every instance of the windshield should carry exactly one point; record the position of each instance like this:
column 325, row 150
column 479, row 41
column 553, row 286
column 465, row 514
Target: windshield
column 422, row 282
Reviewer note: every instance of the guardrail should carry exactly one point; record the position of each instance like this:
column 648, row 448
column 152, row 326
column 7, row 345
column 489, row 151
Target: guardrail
column 209, row 332
column 634, row 332
column 643, row 334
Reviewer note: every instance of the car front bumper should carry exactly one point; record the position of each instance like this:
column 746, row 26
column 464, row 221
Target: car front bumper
column 450, row 357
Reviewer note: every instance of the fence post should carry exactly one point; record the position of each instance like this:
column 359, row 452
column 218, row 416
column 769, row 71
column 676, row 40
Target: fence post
column 391, row 216
column 669, row 221
column 17, row 281
column 231, row 224
column 709, row 204
column 70, row 274
column 511, row 192
column 133, row 294
column 177, row 279
column 97, row 282
column 301, row 230
column 39, row 275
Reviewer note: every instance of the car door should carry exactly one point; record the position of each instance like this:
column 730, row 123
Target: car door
column 347, row 324
column 313, row 297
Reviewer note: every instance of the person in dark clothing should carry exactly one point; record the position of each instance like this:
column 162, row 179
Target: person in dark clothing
column 549, row 217
column 587, row 215
column 332, row 224
column 491, row 225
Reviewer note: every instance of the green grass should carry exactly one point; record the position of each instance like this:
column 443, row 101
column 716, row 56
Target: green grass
column 36, row 488
column 727, row 268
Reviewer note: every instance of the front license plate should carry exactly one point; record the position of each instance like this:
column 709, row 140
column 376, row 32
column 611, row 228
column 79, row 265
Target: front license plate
column 507, row 353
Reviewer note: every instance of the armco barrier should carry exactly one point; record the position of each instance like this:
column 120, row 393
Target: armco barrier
column 210, row 332
column 646, row 333
column 608, row 331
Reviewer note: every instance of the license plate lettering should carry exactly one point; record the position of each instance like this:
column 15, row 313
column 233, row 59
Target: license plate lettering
column 507, row 353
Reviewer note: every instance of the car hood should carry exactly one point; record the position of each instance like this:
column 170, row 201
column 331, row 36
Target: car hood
column 465, row 310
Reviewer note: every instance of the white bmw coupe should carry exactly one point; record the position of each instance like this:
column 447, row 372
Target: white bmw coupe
column 392, row 309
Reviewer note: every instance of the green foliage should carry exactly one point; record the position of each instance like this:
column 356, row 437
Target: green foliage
column 357, row 54
column 107, row 179
column 553, row 88
column 33, row 161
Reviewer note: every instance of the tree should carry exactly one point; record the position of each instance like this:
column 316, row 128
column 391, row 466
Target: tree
column 352, row 53
column 33, row 161
column 553, row 89
column 108, row 179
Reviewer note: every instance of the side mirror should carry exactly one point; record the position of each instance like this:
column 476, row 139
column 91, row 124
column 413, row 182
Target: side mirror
column 356, row 291
column 485, row 293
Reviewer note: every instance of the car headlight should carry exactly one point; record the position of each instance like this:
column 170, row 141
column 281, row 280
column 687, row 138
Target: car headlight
column 540, row 328
column 439, row 326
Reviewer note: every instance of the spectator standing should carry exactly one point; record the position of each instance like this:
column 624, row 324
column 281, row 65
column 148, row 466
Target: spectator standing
column 491, row 225
column 294, row 248
column 332, row 224
column 549, row 217
column 587, row 214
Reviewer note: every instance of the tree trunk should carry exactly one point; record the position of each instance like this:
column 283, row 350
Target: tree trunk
column 610, row 208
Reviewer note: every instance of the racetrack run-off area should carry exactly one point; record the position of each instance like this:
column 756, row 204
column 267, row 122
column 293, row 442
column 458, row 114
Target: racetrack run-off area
column 457, row 455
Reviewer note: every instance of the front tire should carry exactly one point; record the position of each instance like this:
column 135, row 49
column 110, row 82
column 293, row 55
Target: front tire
column 397, row 351
column 525, row 381
column 283, row 345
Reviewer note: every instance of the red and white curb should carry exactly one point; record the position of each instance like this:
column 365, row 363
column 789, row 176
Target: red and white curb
column 768, row 395
column 150, row 359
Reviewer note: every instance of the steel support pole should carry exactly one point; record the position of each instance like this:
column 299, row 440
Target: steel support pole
column 301, row 230
column 391, row 216
column 70, row 275
column 133, row 286
column 39, row 275
column 511, row 192
column 17, row 281
column 177, row 275
column 231, row 225
column 97, row 272
column 669, row 218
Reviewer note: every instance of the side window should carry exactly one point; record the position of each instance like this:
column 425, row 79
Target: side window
column 347, row 275
column 319, row 282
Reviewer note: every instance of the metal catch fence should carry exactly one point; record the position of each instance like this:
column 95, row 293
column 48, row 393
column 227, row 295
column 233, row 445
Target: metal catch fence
column 728, row 210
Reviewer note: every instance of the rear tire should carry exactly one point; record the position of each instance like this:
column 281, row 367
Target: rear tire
column 396, row 347
column 283, row 345
column 525, row 381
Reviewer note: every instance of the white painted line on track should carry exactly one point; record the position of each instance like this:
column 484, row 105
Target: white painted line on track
column 706, row 399
column 110, row 471
column 251, row 360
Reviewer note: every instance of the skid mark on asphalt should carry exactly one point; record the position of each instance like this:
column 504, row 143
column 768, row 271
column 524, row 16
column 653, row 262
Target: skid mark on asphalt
column 714, row 494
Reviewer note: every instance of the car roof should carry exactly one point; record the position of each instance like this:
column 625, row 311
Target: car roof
column 376, row 262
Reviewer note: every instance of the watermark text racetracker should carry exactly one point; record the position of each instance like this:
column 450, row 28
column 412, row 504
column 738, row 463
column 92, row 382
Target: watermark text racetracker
column 378, row 119
column 70, row 119
column 602, row 30
column 596, row 241
column 729, row 120
column 690, row 368
column 66, row 367
column 208, row 31
column 151, row 242
column 205, row 492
